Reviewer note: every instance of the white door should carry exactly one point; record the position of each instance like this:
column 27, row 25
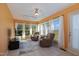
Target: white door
column 74, row 33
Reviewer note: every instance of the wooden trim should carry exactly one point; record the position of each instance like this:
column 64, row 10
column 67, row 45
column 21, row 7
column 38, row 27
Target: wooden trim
column 65, row 24
column 25, row 21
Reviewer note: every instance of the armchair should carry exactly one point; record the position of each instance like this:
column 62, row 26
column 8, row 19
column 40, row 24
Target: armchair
column 47, row 42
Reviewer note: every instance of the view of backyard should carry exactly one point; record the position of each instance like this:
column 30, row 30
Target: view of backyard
column 56, row 29
column 26, row 28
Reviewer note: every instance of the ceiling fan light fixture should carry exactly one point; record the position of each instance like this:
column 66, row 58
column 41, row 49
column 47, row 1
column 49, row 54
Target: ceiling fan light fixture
column 36, row 14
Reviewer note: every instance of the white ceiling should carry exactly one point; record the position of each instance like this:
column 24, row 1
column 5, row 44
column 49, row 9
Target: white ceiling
column 25, row 10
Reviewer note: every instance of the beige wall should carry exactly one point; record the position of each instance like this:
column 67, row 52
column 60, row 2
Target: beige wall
column 6, row 22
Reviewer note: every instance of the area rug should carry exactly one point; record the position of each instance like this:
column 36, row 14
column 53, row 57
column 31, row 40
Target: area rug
column 28, row 46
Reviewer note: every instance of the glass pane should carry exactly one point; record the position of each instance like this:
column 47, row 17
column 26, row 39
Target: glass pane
column 33, row 29
column 27, row 30
column 46, row 28
column 19, row 30
column 56, row 28
column 43, row 29
column 52, row 26
column 75, row 32
column 19, row 27
column 27, row 27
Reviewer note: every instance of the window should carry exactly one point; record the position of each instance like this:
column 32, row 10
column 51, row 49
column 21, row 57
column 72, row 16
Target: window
column 46, row 28
column 27, row 29
column 19, row 30
column 33, row 29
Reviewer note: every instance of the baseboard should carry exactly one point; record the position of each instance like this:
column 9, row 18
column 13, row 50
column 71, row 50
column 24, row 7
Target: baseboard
column 3, row 53
column 75, row 54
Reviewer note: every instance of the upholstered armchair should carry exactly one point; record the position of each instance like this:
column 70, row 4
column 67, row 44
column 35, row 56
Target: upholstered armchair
column 47, row 42
column 35, row 37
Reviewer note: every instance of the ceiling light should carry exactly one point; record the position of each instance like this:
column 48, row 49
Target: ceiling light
column 36, row 12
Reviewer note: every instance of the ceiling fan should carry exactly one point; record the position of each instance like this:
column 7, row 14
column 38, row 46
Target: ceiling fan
column 35, row 13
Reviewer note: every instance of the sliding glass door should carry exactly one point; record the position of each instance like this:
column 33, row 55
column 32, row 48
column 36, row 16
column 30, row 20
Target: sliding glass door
column 46, row 28
column 58, row 30
column 74, row 32
column 61, row 32
column 56, row 24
